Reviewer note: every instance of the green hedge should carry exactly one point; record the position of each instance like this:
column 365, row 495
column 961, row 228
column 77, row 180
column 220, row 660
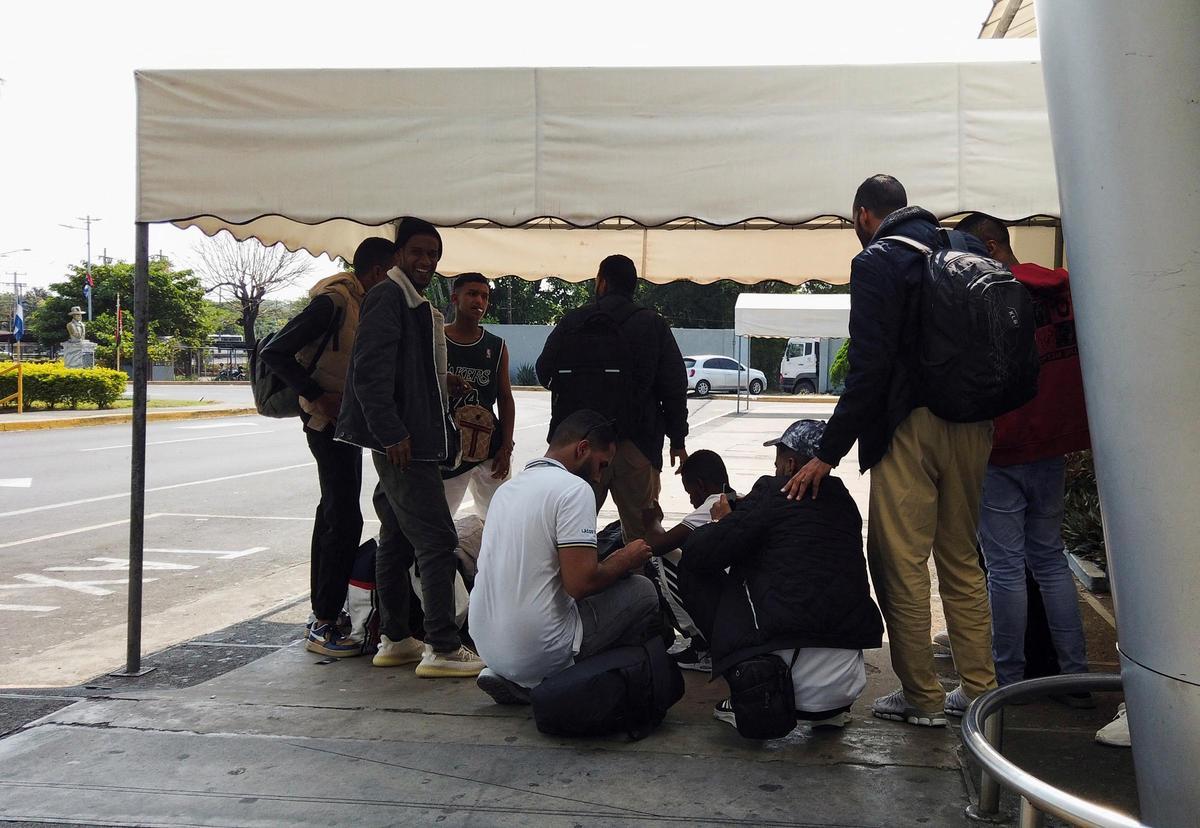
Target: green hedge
column 54, row 385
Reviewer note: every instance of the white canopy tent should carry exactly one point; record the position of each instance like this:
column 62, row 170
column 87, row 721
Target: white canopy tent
column 784, row 315
column 514, row 161
column 696, row 173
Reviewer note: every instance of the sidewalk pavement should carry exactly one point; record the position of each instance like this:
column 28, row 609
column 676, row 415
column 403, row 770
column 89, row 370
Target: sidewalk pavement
column 295, row 739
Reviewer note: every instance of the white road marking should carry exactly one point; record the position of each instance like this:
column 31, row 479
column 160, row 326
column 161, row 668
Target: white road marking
column 180, row 440
column 709, row 420
column 16, row 482
column 200, row 516
column 119, row 564
column 101, row 498
column 221, row 554
column 218, row 425
column 66, row 532
column 25, row 608
column 85, row 587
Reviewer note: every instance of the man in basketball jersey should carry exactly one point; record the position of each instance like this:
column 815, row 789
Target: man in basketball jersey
column 481, row 359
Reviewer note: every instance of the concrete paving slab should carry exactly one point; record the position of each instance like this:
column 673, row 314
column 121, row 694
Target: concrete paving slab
column 138, row 777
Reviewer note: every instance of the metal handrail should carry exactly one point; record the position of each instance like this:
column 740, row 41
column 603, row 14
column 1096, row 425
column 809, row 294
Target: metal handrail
column 1034, row 791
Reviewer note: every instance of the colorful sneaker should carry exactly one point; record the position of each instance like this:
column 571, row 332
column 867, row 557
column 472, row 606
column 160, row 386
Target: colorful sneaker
column 501, row 689
column 462, row 663
column 895, row 707
column 326, row 640
column 398, row 653
column 956, row 702
column 691, row 658
column 1116, row 732
column 723, row 712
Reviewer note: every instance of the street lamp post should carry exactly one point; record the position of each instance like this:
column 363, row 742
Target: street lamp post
column 88, row 221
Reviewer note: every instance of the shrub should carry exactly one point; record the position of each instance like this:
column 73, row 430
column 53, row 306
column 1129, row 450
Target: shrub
column 54, row 385
column 526, row 375
column 840, row 366
column 1082, row 530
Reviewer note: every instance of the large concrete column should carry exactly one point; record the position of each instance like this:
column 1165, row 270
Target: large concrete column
column 1123, row 88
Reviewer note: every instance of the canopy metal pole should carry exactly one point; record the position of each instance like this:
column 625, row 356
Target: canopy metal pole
column 137, row 482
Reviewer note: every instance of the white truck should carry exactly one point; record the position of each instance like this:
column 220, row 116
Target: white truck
column 799, row 368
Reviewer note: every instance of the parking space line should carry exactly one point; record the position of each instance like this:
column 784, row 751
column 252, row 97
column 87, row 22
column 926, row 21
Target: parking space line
column 217, row 425
column 25, row 608
column 102, row 498
column 232, row 517
column 222, row 554
column 119, row 565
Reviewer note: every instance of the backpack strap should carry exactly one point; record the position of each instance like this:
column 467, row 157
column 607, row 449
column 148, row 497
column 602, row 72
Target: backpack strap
column 335, row 327
column 913, row 243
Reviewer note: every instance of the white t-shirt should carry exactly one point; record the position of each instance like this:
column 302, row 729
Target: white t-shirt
column 693, row 521
column 523, row 621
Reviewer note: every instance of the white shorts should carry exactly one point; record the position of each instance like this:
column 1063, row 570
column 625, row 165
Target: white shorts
column 825, row 678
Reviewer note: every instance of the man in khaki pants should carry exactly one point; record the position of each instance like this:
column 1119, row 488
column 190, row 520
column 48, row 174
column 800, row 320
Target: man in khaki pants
column 926, row 472
column 620, row 359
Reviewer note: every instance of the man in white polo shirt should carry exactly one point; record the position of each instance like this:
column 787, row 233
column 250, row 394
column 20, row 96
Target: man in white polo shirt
column 542, row 598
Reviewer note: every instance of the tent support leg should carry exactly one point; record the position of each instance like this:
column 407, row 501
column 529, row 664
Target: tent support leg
column 137, row 484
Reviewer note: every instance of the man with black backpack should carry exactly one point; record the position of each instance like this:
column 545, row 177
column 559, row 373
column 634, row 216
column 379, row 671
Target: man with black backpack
column 621, row 359
column 311, row 355
column 941, row 341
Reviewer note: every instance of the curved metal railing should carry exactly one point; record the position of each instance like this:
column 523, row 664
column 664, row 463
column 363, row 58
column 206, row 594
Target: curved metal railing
column 982, row 735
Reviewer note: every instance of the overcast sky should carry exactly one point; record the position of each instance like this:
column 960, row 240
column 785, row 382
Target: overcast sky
column 67, row 98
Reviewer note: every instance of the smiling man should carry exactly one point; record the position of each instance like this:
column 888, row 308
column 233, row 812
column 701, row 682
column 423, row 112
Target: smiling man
column 479, row 358
column 396, row 400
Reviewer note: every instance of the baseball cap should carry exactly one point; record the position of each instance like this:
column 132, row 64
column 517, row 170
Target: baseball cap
column 803, row 436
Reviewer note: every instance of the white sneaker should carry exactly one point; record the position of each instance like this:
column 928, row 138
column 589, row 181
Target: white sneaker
column 398, row 653
column 1116, row 732
column 462, row 663
column 895, row 706
column 957, row 702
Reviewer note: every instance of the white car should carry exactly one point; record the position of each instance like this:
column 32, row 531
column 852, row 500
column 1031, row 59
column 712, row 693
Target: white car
column 712, row 372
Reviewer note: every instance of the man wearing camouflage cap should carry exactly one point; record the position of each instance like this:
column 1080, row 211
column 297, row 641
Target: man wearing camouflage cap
column 796, row 585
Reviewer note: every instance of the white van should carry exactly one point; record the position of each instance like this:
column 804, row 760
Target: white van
column 798, row 367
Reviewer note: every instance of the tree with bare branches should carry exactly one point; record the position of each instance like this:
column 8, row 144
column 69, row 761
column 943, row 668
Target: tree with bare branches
column 250, row 271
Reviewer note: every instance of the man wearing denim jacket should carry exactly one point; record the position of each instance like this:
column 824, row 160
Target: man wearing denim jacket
column 396, row 405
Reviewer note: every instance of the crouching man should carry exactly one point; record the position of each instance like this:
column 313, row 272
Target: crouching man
column 797, row 581
column 542, row 599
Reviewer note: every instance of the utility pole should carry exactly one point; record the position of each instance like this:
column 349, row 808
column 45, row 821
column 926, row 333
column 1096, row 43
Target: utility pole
column 88, row 221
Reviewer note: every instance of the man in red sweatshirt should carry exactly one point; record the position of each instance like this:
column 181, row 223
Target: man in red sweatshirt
column 1022, row 513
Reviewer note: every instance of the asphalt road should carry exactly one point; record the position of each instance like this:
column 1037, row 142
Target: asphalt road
column 229, row 507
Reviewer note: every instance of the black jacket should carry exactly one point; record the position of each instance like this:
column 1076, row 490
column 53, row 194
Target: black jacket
column 393, row 387
column 881, row 391
column 662, row 381
column 797, row 577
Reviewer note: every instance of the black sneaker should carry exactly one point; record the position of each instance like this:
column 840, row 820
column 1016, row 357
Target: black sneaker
column 691, row 658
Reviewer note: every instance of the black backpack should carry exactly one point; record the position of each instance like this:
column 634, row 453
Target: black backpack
column 624, row 690
column 977, row 354
column 762, row 696
column 272, row 396
column 596, row 369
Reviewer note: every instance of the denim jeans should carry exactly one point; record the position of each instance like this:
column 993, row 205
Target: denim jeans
column 1020, row 523
column 422, row 529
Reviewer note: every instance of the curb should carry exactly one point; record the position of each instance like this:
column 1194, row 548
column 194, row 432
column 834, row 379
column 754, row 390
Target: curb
column 124, row 417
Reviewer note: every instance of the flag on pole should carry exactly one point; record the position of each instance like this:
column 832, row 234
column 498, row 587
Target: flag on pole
column 18, row 326
column 87, row 286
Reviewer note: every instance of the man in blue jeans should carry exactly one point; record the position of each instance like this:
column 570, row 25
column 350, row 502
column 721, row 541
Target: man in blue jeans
column 1024, row 486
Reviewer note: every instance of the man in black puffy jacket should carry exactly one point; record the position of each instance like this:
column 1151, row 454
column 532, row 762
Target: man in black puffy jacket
column 796, row 585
